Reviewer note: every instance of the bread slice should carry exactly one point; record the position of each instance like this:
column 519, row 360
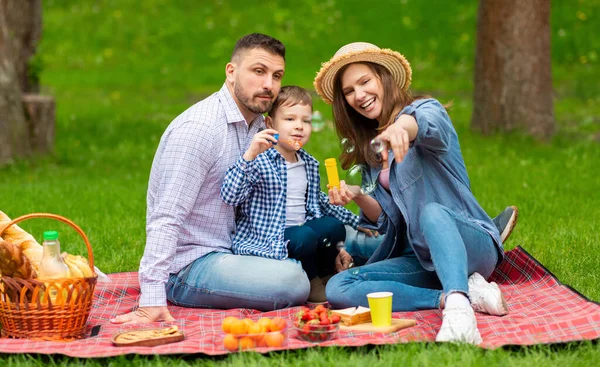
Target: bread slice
column 353, row 315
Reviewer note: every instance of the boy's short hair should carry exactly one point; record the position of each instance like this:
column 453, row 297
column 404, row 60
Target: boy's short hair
column 291, row 95
column 258, row 40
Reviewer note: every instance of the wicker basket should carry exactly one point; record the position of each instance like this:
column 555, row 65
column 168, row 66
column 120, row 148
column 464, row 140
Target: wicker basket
column 28, row 311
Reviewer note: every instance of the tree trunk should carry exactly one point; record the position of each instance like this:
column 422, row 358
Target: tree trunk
column 24, row 18
column 40, row 113
column 513, row 76
column 14, row 135
column 26, row 121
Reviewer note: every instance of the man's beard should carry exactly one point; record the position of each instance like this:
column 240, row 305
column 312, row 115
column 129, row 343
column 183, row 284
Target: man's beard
column 247, row 101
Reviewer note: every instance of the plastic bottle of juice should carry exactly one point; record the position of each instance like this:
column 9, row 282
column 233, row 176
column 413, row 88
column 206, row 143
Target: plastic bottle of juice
column 52, row 265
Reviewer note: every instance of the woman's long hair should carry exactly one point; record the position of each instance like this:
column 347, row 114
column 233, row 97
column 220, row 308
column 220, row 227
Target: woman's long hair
column 359, row 130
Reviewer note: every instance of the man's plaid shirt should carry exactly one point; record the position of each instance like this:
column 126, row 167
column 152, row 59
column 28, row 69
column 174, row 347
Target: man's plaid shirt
column 259, row 189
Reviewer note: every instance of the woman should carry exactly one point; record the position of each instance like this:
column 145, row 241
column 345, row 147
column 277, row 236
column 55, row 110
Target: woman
column 439, row 244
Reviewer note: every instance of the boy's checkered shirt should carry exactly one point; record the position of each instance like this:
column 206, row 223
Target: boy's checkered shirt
column 259, row 188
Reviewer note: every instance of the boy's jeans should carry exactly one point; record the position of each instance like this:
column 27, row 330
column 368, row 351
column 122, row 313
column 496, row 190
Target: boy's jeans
column 458, row 248
column 315, row 244
column 224, row 281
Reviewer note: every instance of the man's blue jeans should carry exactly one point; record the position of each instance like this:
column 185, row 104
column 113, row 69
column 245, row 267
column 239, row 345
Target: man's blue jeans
column 458, row 248
column 224, row 281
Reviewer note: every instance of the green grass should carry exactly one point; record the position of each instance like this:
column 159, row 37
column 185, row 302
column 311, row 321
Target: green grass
column 122, row 70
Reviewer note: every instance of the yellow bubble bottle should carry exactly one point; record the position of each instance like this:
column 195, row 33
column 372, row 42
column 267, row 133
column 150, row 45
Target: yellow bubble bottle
column 332, row 173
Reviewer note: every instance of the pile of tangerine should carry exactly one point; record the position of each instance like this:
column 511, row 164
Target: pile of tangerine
column 242, row 334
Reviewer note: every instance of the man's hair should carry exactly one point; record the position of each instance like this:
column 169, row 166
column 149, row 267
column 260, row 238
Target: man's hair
column 291, row 95
column 258, row 40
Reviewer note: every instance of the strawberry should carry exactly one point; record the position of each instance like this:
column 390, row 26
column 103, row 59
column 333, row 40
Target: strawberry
column 334, row 319
column 320, row 308
column 306, row 329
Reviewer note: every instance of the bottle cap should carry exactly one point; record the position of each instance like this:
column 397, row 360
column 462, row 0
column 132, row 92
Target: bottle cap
column 50, row 235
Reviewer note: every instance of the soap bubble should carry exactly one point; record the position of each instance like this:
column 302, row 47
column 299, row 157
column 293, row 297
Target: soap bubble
column 317, row 121
column 355, row 175
column 295, row 144
column 347, row 145
column 378, row 145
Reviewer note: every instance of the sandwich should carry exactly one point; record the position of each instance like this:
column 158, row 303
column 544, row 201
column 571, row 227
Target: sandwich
column 353, row 315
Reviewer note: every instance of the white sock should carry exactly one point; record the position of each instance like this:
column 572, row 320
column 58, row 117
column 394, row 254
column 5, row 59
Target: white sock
column 457, row 300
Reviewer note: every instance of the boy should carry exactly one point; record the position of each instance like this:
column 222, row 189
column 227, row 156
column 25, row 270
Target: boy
column 276, row 185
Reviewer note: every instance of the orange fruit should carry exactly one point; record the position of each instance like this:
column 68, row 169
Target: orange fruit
column 255, row 329
column 246, row 342
column 238, row 327
column 230, row 342
column 227, row 322
column 248, row 321
column 278, row 324
column 274, row 339
column 265, row 322
column 260, row 341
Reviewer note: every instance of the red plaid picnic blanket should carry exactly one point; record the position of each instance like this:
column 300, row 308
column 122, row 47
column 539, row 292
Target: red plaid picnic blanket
column 542, row 310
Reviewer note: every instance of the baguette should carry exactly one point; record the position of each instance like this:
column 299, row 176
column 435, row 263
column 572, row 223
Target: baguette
column 353, row 315
column 17, row 236
column 14, row 263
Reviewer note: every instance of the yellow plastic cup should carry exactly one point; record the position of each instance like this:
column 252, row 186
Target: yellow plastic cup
column 332, row 173
column 380, row 304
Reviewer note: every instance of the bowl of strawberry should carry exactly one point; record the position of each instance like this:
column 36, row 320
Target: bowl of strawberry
column 316, row 325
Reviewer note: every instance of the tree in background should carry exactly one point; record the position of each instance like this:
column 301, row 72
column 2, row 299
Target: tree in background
column 26, row 118
column 513, row 75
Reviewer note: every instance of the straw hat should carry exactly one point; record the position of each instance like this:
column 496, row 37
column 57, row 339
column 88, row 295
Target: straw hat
column 395, row 62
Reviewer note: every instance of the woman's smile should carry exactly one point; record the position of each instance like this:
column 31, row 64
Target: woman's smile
column 363, row 90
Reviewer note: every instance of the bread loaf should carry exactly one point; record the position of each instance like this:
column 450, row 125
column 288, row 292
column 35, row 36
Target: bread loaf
column 14, row 263
column 17, row 236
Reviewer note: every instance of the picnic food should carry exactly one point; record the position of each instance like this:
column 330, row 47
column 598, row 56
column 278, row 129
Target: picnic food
column 316, row 325
column 353, row 315
column 17, row 236
column 13, row 262
column 21, row 255
column 149, row 337
column 243, row 334
column 53, row 309
column 79, row 267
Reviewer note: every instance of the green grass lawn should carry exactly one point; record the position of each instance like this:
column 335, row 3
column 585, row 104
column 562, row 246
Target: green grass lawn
column 122, row 70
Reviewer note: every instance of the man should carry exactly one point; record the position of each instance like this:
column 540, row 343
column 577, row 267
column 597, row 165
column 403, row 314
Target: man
column 188, row 258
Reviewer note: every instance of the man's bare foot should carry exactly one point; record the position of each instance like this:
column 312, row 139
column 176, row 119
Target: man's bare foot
column 144, row 315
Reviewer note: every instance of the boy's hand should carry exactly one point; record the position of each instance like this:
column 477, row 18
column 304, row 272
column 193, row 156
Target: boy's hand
column 262, row 141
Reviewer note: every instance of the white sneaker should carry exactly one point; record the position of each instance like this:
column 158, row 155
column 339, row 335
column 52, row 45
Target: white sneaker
column 486, row 297
column 459, row 325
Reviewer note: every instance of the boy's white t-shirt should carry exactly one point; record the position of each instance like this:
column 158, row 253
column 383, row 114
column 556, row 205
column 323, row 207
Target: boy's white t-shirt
column 297, row 185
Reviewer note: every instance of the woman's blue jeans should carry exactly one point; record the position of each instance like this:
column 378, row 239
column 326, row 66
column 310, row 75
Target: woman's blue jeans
column 458, row 247
column 360, row 246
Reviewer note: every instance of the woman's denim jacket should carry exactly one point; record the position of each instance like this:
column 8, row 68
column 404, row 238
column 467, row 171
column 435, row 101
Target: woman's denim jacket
column 433, row 171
